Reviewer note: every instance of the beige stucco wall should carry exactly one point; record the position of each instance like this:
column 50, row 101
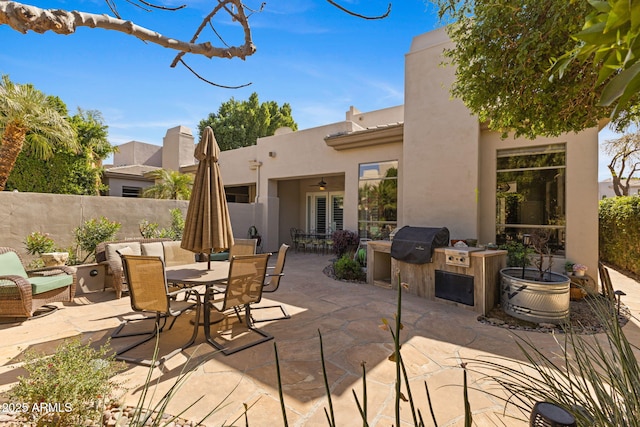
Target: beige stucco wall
column 177, row 148
column 138, row 153
column 59, row 215
column 439, row 176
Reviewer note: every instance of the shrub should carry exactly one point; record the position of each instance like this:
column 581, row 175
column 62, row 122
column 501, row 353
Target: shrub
column 517, row 254
column 70, row 387
column 150, row 230
column 38, row 243
column 620, row 232
column 346, row 268
column 343, row 240
column 93, row 232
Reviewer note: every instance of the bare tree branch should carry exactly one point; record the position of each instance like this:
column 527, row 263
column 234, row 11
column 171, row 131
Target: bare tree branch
column 344, row 9
column 210, row 82
column 23, row 18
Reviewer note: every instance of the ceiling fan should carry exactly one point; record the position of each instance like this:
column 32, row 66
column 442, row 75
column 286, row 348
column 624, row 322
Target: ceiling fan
column 322, row 185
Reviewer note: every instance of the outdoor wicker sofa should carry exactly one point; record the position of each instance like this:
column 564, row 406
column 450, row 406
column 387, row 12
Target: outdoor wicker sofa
column 108, row 253
column 24, row 293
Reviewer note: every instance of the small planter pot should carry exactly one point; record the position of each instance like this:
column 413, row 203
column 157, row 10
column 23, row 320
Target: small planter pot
column 52, row 259
column 533, row 300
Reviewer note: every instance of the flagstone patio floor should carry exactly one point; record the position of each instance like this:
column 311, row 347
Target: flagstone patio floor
column 437, row 337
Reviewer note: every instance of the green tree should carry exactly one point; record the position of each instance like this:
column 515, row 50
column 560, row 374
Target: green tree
column 28, row 120
column 169, row 185
column 611, row 39
column 67, row 171
column 240, row 123
column 503, row 53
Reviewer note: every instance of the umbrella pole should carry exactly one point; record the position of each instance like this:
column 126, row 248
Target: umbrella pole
column 209, row 261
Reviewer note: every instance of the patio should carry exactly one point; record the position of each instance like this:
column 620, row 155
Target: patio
column 437, row 338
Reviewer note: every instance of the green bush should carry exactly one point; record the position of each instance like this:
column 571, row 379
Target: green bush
column 346, row 268
column 71, row 387
column 38, row 243
column 619, row 234
column 93, row 232
column 150, row 230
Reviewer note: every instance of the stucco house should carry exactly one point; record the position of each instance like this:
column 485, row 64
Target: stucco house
column 605, row 188
column 128, row 176
column 428, row 163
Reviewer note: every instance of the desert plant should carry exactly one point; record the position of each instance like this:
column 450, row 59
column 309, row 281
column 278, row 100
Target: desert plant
column 150, row 230
column 68, row 388
column 597, row 380
column 93, row 232
column 38, row 243
column 539, row 240
column 346, row 268
column 343, row 241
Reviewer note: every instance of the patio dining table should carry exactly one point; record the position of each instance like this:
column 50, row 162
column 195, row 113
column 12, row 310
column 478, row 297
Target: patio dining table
column 197, row 274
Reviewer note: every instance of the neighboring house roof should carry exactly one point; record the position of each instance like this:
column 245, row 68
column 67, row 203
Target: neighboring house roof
column 376, row 135
column 130, row 172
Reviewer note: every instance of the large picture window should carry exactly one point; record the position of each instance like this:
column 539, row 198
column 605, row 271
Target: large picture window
column 378, row 199
column 530, row 193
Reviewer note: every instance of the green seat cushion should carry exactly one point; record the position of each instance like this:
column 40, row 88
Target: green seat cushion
column 10, row 265
column 219, row 256
column 40, row 284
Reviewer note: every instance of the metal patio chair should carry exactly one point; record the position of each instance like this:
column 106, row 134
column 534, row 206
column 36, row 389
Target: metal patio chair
column 272, row 285
column 243, row 288
column 149, row 294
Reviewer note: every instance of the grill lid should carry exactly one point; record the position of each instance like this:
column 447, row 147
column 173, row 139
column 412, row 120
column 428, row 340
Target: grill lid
column 415, row 245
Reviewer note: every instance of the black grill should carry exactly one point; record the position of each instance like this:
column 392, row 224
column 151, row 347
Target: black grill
column 415, row 245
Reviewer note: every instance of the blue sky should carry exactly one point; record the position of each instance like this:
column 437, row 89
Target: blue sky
column 309, row 54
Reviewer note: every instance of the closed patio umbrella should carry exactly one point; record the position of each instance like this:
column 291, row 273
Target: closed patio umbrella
column 207, row 226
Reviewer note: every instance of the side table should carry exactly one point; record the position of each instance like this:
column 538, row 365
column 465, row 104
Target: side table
column 90, row 277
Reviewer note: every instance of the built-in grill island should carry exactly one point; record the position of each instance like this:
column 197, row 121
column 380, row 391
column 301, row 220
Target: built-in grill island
column 465, row 276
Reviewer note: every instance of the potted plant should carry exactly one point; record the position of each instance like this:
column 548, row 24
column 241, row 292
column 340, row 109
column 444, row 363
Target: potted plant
column 579, row 269
column 535, row 294
column 42, row 245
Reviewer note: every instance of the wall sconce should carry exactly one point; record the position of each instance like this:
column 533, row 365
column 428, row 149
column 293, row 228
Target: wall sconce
column 272, row 153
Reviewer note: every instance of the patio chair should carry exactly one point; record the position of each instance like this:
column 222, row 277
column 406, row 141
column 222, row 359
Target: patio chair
column 272, row 286
column 607, row 287
column 149, row 294
column 296, row 238
column 243, row 247
column 243, row 288
column 29, row 293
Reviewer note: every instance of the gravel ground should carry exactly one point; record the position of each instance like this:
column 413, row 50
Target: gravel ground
column 582, row 319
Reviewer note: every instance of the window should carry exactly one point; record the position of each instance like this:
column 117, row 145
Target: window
column 240, row 194
column 131, row 191
column 530, row 193
column 378, row 199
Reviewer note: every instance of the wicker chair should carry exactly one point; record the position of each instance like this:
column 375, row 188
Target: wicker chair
column 149, row 294
column 243, row 288
column 26, row 293
column 273, row 285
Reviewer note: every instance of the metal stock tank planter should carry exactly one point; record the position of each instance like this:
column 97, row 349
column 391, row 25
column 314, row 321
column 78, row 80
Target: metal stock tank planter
column 534, row 300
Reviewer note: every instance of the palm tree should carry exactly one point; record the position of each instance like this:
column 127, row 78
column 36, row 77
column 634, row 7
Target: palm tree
column 169, row 185
column 28, row 119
